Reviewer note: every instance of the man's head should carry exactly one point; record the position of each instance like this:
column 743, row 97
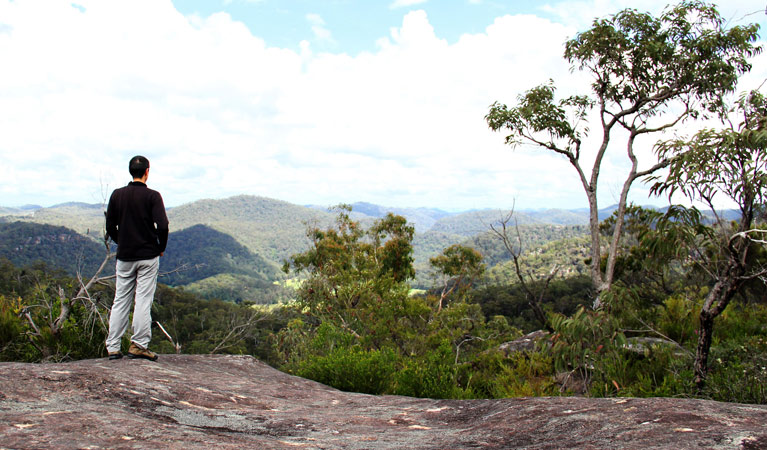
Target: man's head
column 138, row 167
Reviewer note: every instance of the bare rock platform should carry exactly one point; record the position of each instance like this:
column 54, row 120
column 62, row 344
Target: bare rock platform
column 235, row 402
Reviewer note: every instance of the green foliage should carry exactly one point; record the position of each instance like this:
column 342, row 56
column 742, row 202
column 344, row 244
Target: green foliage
column 677, row 318
column 686, row 50
column 352, row 369
column 213, row 326
column 568, row 255
column 584, row 341
column 13, row 346
column 564, row 296
column 30, row 301
column 360, row 330
column 537, row 112
column 352, row 270
column 433, row 375
column 457, row 259
column 739, row 169
column 494, row 375
column 459, row 267
column 739, row 371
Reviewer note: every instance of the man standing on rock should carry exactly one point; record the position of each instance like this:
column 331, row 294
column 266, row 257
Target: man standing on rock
column 137, row 222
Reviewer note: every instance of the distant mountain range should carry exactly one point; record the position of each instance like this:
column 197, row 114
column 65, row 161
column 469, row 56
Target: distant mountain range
column 232, row 248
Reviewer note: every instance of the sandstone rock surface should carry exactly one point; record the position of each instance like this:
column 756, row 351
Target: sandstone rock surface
column 233, row 402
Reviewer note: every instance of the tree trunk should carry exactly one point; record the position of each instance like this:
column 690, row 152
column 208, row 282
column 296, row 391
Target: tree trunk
column 716, row 301
column 599, row 283
column 539, row 314
column 705, row 332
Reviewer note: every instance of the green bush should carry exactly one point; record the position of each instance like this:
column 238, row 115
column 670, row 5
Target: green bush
column 432, row 376
column 677, row 318
column 738, row 371
column 660, row 371
column 14, row 346
column 352, row 369
column 492, row 374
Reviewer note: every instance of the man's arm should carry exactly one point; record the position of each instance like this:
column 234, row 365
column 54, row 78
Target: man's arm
column 161, row 222
column 111, row 219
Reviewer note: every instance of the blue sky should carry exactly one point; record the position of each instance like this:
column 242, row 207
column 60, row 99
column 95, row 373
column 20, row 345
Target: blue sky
column 353, row 25
column 304, row 101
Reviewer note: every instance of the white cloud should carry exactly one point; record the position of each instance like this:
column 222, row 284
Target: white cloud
column 318, row 27
column 315, row 19
column 581, row 13
column 220, row 113
column 405, row 3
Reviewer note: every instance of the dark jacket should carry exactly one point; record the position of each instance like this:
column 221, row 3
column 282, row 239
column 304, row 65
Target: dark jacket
column 137, row 222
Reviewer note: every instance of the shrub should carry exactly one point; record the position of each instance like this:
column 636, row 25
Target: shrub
column 522, row 374
column 738, row 371
column 432, row 376
column 352, row 369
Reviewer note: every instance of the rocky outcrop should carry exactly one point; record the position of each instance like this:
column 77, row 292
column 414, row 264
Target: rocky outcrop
column 526, row 343
column 232, row 402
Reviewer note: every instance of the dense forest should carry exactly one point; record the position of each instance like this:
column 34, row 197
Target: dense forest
column 623, row 301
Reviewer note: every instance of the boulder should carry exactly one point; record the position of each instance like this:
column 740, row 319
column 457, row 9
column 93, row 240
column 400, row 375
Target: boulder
column 643, row 345
column 524, row 344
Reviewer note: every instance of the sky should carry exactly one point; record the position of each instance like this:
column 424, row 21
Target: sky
column 309, row 102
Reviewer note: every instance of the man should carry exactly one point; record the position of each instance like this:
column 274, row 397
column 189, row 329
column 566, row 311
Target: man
column 137, row 222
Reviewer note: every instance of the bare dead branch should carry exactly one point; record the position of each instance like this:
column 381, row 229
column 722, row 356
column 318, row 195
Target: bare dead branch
column 747, row 235
column 176, row 345
column 654, row 331
column 501, row 230
column 238, row 331
column 180, row 268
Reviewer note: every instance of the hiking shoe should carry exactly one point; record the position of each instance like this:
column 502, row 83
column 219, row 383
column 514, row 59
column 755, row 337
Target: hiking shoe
column 115, row 355
column 136, row 351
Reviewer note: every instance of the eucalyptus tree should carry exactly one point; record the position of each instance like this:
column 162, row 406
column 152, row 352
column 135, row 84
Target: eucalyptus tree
column 649, row 74
column 350, row 269
column 730, row 163
column 459, row 267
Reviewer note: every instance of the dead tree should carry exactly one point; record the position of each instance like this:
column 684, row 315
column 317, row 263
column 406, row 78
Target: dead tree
column 53, row 322
column 513, row 245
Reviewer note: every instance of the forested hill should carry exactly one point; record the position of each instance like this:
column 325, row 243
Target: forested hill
column 84, row 218
column 271, row 228
column 422, row 219
column 28, row 243
column 214, row 265
column 203, row 252
column 472, row 223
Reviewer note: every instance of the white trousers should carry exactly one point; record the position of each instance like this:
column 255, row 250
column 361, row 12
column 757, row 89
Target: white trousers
column 135, row 280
